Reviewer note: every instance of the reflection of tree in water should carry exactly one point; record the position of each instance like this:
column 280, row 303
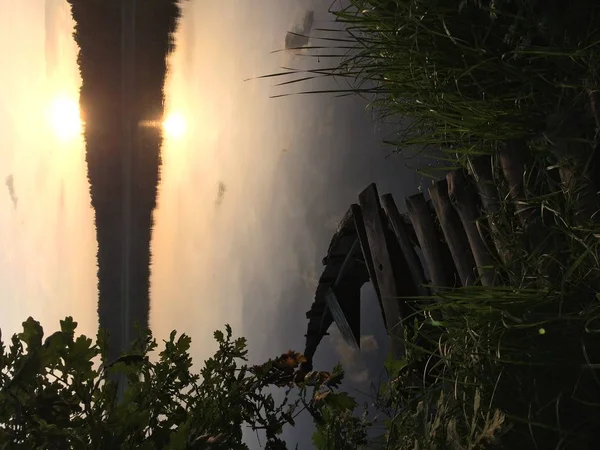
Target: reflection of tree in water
column 98, row 35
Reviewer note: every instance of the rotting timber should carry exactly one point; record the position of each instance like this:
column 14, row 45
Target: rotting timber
column 364, row 248
column 375, row 242
column 344, row 274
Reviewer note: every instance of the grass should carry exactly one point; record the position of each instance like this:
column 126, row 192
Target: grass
column 466, row 74
column 515, row 366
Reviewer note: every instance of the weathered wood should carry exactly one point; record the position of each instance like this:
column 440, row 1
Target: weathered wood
column 399, row 227
column 463, row 197
column 454, row 233
column 339, row 317
column 368, row 257
column 432, row 248
column 346, row 261
column 482, row 170
column 387, row 278
column 342, row 316
column 410, row 231
column 513, row 168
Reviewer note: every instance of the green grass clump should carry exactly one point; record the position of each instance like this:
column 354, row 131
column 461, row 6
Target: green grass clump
column 510, row 370
column 515, row 366
column 463, row 73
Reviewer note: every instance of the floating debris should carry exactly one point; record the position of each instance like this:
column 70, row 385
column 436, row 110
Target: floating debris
column 10, row 184
column 220, row 193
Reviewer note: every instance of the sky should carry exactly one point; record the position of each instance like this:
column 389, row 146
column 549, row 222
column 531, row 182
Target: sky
column 252, row 187
column 47, row 237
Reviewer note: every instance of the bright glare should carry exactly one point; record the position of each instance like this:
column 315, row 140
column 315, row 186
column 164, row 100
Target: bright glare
column 65, row 118
column 175, row 125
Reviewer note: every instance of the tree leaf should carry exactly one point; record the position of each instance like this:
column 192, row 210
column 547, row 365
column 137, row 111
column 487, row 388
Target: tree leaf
column 393, row 366
column 320, row 440
column 335, row 379
column 32, row 334
column 179, row 438
column 341, row 401
column 68, row 326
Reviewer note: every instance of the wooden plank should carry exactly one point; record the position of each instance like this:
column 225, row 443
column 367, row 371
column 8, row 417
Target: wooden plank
column 442, row 275
column 481, row 168
column 375, row 226
column 482, row 171
column 351, row 308
column 350, row 334
column 399, row 228
column 463, row 197
column 366, row 250
column 340, row 319
column 410, row 231
column 453, row 231
column 326, row 319
column 346, row 261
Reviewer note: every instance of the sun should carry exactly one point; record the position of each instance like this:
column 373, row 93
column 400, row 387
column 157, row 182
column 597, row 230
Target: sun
column 175, row 125
column 65, row 118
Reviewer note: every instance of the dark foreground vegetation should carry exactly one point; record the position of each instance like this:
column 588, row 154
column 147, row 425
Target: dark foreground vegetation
column 55, row 395
column 513, row 365
column 98, row 34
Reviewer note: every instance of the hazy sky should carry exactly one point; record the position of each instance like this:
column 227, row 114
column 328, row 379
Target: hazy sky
column 251, row 191
column 47, row 243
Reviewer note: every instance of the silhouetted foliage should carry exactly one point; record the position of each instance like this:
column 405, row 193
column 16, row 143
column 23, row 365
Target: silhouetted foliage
column 57, row 395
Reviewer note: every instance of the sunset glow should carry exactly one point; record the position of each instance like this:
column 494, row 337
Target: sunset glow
column 65, row 119
column 175, row 126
